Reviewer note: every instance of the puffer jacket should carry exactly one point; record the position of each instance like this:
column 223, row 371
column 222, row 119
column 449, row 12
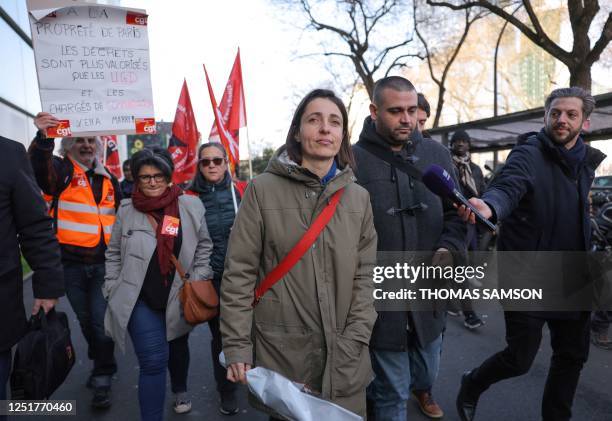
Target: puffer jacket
column 127, row 258
column 314, row 325
column 220, row 213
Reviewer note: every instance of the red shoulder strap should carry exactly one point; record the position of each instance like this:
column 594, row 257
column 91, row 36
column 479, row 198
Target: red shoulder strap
column 300, row 248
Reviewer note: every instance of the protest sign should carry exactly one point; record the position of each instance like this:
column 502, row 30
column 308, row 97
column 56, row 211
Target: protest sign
column 93, row 67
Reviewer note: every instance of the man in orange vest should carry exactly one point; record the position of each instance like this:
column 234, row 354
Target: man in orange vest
column 82, row 197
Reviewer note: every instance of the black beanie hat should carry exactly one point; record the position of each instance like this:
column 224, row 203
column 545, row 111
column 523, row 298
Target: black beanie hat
column 460, row 135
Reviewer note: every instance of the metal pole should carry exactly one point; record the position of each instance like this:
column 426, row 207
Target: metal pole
column 249, row 151
column 499, row 38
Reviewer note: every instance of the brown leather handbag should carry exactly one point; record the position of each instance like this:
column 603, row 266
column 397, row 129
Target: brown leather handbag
column 198, row 298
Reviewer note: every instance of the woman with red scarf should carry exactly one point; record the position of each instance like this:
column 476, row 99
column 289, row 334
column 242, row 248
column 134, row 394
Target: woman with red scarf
column 142, row 284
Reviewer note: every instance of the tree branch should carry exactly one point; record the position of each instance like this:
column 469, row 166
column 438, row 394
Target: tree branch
column 602, row 42
column 380, row 58
column 544, row 42
column 396, row 63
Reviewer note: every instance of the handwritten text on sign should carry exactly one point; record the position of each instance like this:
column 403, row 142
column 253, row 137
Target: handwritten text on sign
column 94, row 70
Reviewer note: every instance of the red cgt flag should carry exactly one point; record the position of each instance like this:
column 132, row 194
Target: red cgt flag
column 111, row 155
column 232, row 107
column 228, row 141
column 184, row 141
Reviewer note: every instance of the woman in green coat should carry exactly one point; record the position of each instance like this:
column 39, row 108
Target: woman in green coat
column 313, row 326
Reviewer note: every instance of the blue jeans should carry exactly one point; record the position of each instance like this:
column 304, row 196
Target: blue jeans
column 147, row 329
column 5, row 370
column 84, row 290
column 399, row 372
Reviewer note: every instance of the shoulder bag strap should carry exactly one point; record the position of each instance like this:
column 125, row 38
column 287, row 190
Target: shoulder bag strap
column 300, row 248
column 173, row 259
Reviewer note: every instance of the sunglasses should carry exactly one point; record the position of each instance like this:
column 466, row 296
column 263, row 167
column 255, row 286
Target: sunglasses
column 205, row 162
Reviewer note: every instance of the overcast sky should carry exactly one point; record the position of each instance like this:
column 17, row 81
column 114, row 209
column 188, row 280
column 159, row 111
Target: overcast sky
column 184, row 35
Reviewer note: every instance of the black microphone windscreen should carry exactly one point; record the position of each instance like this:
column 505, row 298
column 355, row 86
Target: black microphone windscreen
column 438, row 180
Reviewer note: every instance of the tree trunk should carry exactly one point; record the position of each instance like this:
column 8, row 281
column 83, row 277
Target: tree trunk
column 441, row 91
column 580, row 75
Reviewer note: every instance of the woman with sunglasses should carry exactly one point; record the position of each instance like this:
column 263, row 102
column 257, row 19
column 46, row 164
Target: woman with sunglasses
column 314, row 324
column 221, row 197
column 142, row 282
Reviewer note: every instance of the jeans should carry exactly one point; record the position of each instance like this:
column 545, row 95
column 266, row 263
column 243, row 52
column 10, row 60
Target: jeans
column 399, row 372
column 5, row 370
column 84, row 290
column 147, row 329
column 570, row 343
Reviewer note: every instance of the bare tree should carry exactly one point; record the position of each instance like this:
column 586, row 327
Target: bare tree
column 443, row 55
column 359, row 26
column 580, row 59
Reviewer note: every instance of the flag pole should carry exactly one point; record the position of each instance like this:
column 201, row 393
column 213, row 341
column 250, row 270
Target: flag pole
column 104, row 153
column 233, row 188
column 249, row 151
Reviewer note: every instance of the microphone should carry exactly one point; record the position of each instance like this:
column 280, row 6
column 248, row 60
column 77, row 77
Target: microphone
column 439, row 182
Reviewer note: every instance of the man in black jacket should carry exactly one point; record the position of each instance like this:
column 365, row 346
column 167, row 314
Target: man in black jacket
column 471, row 182
column 541, row 195
column 83, row 196
column 25, row 224
column 407, row 217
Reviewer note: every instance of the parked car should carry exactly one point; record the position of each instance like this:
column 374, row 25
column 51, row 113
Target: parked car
column 603, row 183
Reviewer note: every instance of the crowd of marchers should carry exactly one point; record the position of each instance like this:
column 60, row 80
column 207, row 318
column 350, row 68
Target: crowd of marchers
column 291, row 257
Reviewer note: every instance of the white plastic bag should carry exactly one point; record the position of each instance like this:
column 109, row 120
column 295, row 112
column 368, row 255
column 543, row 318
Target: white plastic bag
column 288, row 399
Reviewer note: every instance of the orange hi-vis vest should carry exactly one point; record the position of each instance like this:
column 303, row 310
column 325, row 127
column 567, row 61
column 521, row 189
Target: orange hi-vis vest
column 79, row 218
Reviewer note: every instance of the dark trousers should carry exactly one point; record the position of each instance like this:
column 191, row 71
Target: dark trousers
column 84, row 290
column 223, row 384
column 570, row 343
column 178, row 363
column 600, row 323
column 5, row 370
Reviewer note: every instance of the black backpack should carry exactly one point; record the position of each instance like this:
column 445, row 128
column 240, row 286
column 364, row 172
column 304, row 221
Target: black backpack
column 43, row 358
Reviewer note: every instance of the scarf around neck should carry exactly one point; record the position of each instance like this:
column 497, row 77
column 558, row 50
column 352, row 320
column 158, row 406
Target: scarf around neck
column 465, row 173
column 168, row 204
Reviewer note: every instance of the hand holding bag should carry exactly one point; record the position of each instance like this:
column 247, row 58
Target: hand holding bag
column 198, row 298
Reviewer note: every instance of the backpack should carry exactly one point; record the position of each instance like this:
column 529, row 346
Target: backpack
column 43, row 357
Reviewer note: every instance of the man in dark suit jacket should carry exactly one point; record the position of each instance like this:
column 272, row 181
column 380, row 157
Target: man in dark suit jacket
column 25, row 224
column 541, row 196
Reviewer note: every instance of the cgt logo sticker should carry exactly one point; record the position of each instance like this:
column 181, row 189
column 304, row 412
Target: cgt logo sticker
column 145, row 125
column 79, row 180
column 170, row 226
column 136, row 19
column 61, row 130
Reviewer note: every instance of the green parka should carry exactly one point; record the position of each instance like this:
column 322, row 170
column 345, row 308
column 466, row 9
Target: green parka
column 314, row 325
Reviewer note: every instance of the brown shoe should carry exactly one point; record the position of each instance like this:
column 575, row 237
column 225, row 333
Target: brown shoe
column 427, row 404
column 601, row 340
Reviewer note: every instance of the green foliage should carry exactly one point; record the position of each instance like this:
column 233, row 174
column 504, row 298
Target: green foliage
column 259, row 164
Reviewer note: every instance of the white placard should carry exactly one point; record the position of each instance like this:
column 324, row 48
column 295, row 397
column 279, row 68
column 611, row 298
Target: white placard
column 93, row 67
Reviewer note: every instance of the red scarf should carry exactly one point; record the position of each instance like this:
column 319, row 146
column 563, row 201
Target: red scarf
column 168, row 202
